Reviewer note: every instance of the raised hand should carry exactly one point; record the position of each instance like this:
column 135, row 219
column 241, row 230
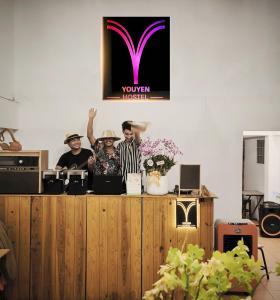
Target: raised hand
column 92, row 113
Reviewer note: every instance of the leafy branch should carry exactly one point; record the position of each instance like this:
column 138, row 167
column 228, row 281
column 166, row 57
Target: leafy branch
column 198, row 280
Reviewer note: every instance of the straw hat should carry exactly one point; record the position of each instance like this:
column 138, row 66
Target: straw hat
column 71, row 136
column 109, row 134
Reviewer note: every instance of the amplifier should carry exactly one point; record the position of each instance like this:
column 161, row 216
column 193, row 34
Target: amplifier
column 78, row 183
column 269, row 213
column 21, row 171
column 228, row 233
column 53, row 182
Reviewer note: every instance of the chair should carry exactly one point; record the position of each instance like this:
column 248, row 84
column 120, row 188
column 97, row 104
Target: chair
column 246, row 208
column 264, row 267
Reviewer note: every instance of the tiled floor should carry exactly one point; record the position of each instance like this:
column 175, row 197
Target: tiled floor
column 269, row 289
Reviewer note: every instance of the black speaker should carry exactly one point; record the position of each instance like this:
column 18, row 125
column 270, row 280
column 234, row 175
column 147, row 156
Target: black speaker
column 189, row 178
column 269, row 213
column 78, row 183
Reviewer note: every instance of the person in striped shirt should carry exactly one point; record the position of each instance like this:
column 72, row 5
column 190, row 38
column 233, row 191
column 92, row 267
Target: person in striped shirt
column 130, row 156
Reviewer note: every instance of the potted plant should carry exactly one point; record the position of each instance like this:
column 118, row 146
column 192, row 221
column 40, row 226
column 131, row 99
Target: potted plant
column 158, row 158
column 186, row 273
column 277, row 269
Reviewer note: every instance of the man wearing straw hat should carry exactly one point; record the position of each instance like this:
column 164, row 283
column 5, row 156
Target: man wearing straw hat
column 107, row 158
column 77, row 157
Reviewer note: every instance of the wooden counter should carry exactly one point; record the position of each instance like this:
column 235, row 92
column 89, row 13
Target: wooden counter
column 95, row 247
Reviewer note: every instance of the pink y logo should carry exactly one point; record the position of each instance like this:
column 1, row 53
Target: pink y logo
column 135, row 56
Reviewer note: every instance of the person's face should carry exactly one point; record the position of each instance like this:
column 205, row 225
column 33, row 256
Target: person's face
column 108, row 142
column 128, row 135
column 75, row 144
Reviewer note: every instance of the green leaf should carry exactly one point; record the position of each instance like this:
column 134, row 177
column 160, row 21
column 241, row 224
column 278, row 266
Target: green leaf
column 278, row 269
column 205, row 280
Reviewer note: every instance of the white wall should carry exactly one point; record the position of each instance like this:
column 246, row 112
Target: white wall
column 225, row 78
column 254, row 172
column 273, row 166
column 8, row 110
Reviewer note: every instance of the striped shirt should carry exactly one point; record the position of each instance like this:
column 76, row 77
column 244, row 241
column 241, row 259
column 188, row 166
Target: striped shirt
column 130, row 158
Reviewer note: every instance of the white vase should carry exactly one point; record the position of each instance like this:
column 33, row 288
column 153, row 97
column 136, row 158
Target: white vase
column 157, row 185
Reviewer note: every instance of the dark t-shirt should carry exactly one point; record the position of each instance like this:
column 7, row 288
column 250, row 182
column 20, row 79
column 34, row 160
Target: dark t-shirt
column 70, row 160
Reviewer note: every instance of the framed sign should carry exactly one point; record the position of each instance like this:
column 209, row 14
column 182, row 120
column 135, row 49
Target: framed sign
column 136, row 58
column 187, row 212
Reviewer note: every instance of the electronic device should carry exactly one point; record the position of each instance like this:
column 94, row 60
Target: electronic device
column 189, row 179
column 269, row 216
column 21, row 171
column 107, row 184
column 78, row 183
column 53, row 182
column 228, row 233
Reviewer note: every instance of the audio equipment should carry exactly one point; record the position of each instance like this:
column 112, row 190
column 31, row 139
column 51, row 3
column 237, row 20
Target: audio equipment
column 269, row 214
column 53, row 182
column 78, row 182
column 189, row 179
column 228, row 233
column 21, row 171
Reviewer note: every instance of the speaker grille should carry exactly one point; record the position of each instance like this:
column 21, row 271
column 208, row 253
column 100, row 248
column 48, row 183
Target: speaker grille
column 270, row 225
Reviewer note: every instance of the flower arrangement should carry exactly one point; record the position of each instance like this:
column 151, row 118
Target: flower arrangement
column 158, row 155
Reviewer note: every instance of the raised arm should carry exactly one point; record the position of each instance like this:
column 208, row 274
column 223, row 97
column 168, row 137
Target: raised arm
column 137, row 136
column 91, row 116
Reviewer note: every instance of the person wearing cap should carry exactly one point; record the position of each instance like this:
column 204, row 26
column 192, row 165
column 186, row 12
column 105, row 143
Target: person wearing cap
column 77, row 157
column 106, row 158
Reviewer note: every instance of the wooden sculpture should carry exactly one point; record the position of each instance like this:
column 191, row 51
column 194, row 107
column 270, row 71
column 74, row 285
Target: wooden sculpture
column 13, row 146
column 205, row 192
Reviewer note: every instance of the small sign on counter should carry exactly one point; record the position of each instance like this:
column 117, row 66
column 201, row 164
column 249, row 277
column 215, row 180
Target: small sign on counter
column 133, row 184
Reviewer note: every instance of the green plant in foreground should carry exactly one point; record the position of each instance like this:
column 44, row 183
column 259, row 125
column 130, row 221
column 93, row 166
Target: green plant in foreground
column 277, row 270
column 209, row 280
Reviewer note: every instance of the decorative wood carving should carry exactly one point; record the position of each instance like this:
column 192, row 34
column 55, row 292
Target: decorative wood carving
column 13, row 146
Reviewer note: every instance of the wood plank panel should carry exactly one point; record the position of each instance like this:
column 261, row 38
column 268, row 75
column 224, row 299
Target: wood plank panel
column 80, row 247
column 98, row 247
column 136, row 237
column 112, row 242
column 93, row 249
column 43, row 248
column 171, row 224
column 114, row 229
column 59, row 219
column 157, row 235
column 103, row 255
column 69, row 247
column 124, row 245
column 51, row 219
column 47, row 254
column 148, row 244
column 15, row 213
column 3, row 208
column 206, row 226
column 160, row 233
column 24, row 247
column 58, row 239
column 36, row 248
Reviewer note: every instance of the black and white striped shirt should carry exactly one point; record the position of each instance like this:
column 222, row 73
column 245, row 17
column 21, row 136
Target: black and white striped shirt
column 130, row 158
